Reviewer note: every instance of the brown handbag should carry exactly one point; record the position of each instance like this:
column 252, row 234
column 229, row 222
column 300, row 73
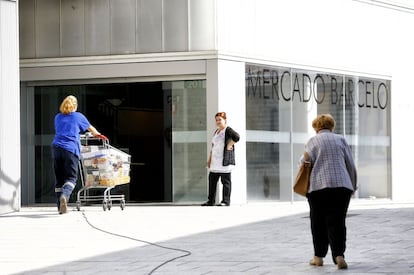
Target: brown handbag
column 301, row 185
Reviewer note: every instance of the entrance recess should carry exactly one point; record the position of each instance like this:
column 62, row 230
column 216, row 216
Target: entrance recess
column 160, row 124
column 132, row 116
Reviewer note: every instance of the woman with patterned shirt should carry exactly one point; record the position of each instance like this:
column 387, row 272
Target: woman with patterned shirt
column 332, row 182
column 221, row 160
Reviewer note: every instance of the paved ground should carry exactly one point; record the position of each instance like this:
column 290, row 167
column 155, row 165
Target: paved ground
column 270, row 238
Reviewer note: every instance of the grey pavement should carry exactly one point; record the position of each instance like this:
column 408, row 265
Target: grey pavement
column 259, row 238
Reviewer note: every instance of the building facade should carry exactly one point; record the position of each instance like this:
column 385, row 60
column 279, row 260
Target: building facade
column 151, row 74
column 9, row 108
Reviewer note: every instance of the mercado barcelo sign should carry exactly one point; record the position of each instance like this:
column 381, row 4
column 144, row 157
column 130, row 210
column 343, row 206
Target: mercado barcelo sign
column 275, row 83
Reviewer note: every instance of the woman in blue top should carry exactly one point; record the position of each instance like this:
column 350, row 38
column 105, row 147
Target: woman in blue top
column 333, row 180
column 66, row 149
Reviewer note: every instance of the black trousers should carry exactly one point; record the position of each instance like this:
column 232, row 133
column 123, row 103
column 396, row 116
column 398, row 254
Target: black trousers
column 65, row 166
column 212, row 186
column 328, row 209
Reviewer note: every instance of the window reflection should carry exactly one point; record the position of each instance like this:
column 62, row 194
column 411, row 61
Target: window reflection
column 280, row 106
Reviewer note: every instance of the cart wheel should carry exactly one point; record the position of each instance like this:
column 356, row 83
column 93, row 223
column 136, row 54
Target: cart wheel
column 105, row 205
column 122, row 204
column 78, row 204
column 109, row 205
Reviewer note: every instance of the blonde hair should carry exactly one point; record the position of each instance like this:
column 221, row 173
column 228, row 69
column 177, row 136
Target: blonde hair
column 323, row 121
column 68, row 105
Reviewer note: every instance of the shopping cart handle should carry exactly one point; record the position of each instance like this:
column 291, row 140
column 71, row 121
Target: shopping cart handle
column 102, row 137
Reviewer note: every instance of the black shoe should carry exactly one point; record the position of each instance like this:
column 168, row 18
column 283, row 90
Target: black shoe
column 207, row 204
column 223, row 204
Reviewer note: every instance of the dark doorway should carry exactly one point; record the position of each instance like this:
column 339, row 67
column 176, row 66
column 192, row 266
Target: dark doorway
column 134, row 116
column 131, row 115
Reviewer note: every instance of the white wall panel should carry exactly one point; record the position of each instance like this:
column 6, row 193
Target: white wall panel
column 234, row 25
column 9, row 109
column 202, row 25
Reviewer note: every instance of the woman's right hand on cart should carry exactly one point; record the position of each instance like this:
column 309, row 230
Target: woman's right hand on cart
column 103, row 137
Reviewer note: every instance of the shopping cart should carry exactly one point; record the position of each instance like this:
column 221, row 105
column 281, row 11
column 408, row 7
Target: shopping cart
column 102, row 166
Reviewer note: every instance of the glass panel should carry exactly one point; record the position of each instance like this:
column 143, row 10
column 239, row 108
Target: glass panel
column 351, row 108
column 268, row 93
column 281, row 104
column 123, row 26
column 97, row 27
column 188, row 111
column 374, row 138
column 263, row 166
column 306, row 98
column 316, row 93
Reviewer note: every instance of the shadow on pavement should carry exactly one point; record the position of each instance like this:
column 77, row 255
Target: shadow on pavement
column 380, row 241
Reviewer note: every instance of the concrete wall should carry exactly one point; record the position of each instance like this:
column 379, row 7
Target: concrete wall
column 58, row 28
column 341, row 34
column 9, row 109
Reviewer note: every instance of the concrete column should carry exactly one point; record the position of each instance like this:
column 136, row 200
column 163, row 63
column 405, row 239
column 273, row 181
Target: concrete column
column 226, row 93
column 9, row 108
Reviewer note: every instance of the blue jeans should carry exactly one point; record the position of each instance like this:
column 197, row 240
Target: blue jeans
column 65, row 166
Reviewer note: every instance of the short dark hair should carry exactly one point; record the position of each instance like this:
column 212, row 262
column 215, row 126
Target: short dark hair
column 222, row 115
